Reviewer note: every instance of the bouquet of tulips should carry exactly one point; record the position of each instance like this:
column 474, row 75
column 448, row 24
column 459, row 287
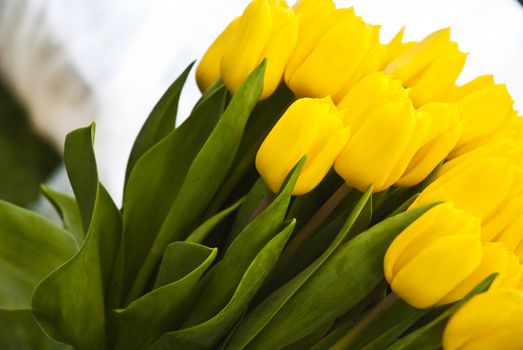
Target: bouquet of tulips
column 327, row 191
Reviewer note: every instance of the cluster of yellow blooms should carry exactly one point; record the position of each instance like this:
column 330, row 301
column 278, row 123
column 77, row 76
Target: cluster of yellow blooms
column 389, row 114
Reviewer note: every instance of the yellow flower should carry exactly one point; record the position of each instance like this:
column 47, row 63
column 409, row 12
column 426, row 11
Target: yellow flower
column 496, row 259
column 433, row 255
column 492, row 320
column 445, row 129
column 330, row 57
column 387, row 132
column 512, row 236
column 310, row 127
column 396, row 47
column 485, row 108
column 430, row 67
column 490, row 188
column 209, row 67
column 266, row 29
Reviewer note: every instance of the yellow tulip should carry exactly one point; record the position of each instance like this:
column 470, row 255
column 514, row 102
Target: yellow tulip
column 490, row 188
column 334, row 54
column 310, row 127
column 496, row 259
column 492, row 320
column 209, row 67
column 266, row 29
column 430, row 67
column 395, row 48
column 512, row 236
column 444, row 132
column 386, row 129
column 485, row 108
column 433, row 255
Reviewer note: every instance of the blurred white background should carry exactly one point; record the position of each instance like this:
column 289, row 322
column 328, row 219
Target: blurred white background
column 75, row 61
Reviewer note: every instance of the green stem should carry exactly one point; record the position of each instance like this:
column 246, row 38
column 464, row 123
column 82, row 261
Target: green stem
column 357, row 331
column 312, row 225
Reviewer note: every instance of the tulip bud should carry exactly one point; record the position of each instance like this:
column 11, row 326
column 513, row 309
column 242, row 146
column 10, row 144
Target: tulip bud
column 330, row 58
column 485, row 108
column 512, row 237
column 266, row 29
column 443, row 244
column 209, row 68
column 496, row 259
column 492, row 320
column 490, row 188
column 430, row 67
column 444, row 132
column 387, row 132
column 395, row 48
column 310, row 127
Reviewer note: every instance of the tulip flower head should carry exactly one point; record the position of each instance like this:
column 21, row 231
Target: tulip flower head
column 445, row 244
column 491, row 320
column 387, row 133
column 266, row 29
column 430, row 67
column 490, row 188
column 310, row 127
column 334, row 53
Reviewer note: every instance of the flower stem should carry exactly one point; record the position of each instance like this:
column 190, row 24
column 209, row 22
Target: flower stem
column 312, row 225
column 357, row 331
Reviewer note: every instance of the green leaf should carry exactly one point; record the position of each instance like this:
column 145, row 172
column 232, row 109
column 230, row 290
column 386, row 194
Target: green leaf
column 338, row 285
column 81, row 169
column 157, row 177
column 70, row 303
column 19, row 330
column 207, row 335
column 166, row 306
column 225, row 276
column 67, row 208
column 205, row 175
column 160, row 122
column 253, row 198
column 30, row 248
column 261, row 316
column 205, row 229
column 430, row 335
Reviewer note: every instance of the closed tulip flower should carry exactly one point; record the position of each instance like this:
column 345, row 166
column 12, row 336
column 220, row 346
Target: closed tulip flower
column 387, row 133
column 445, row 244
column 490, row 188
column 492, row 320
column 485, row 108
column 395, row 48
column 445, row 129
column 334, row 54
column 266, row 29
column 512, row 236
column 310, row 127
column 496, row 259
column 430, row 67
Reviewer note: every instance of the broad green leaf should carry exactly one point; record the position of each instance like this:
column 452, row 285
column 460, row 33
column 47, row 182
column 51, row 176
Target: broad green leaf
column 430, row 335
column 81, row 169
column 346, row 278
column 157, row 177
column 30, row 248
column 225, row 276
column 204, row 176
column 264, row 116
column 165, row 307
column 256, row 320
column 207, row 335
column 67, row 208
column 205, row 229
column 70, row 303
column 255, row 195
column 19, row 331
column 160, row 122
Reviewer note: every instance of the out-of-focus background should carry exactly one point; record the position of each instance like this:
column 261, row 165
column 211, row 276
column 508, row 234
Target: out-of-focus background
column 64, row 64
